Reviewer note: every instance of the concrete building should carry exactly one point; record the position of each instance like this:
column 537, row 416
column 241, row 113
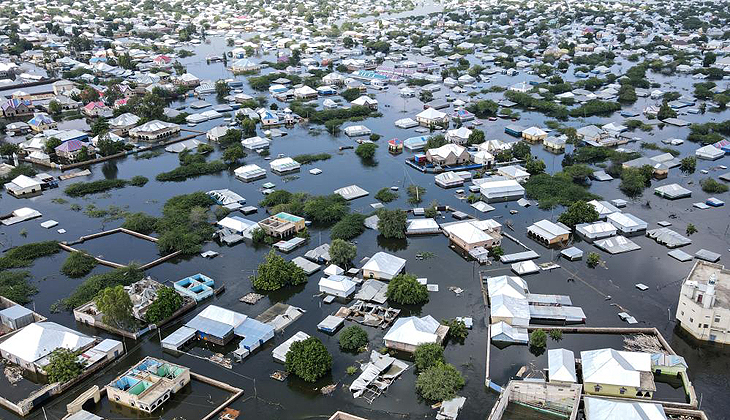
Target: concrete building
column 447, row 155
column 154, row 130
column 408, row 333
column 282, row 225
column 471, row 234
column 147, row 385
column 704, row 303
column 501, row 190
column 383, row 266
column 548, row 233
column 614, row 373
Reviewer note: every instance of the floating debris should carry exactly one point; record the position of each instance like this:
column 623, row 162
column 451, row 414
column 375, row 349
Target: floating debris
column 279, row 375
column 457, row 290
column 14, row 374
column 326, row 390
column 643, row 343
column 220, row 359
column 251, row 298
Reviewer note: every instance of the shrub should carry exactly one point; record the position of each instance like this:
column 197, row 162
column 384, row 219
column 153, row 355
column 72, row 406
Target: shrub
column 191, row 170
column 690, row 229
column 140, row 222
column 439, row 382
column 78, row 264
column 116, row 305
column 24, row 255
column 578, row 212
column 80, row 189
column 138, row 181
column 308, row 359
column 556, row 335
column 386, row 195
column 353, row 338
column 593, row 260
column 90, row 288
column 457, row 329
column 406, row 290
column 14, row 285
column 427, row 355
column 538, row 339
column 711, row 186
column 310, row 158
column 366, row 151
column 351, row 370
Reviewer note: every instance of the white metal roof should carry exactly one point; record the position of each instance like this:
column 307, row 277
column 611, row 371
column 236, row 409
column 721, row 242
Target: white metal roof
column 547, row 229
column 413, row 330
column 561, row 365
column 37, row 340
column 613, row 367
column 605, row 409
column 383, row 262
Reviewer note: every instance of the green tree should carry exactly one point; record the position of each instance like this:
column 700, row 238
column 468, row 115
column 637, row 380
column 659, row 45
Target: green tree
column 7, row 149
column 51, row 145
column 406, row 290
column 275, row 273
column 392, row 223
column 248, row 126
column 99, row 126
column 665, row 111
column 578, row 212
column 427, row 355
column 691, row 229
column 633, row 181
column 538, row 341
column 457, row 329
column 63, row 365
column 308, row 359
column 386, row 195
column 150, row 107
column 709, row 59
column 593, row 260
column 325, row 209
column 342, row 253
column 54, row 107
column 221, row 88
column 78, row 264
column 167, row 302
column 233, row 154
column 140, row 222
column 366, row 151
column 116, row 305
column 353, row 338
column 535, row 166
column 439, row 382
column 476, row 137
column 496, row 251
column 107, row 146
column 521, row 150
column 351, row 94
column 350, row 227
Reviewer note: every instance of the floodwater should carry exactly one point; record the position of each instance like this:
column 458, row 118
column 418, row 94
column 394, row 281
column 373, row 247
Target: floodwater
column 294, row 399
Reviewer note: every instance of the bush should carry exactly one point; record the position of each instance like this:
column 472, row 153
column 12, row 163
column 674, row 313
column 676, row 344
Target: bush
column 116, row 305
column 415, row 194
column 386, row 195
column 392, row 223
column 350, row 227
column 553, row 190
column 593, row 260
column 24, row 255
column 688, row 164
column 275, row 273
column 538, row 340
column 634, row 180
column 691, row 229
column 167, row 302
column 90, row 288
column 184, row 224
column 138, row 181
column 78, row 264
column 14, row 285
column 439, row 382
column 406, row 290
column 457, row 329
column 353, row 338
column 191, row 170
column 140, row 222
column 556, row 335
column 308, row 359
column 366, row 151
column 427, row 355
column 595, row 107
column 711, row 186
column 80, row 189
column 342, row 253
column 310, row 158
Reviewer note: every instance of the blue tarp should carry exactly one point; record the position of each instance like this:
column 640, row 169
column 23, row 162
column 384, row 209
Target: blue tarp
column 254, row 332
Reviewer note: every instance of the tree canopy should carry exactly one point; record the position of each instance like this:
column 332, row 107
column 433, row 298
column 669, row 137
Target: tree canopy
column 116, row 305
column 353, row 338
column 308, row 359
column 578, row 212
column 427, row 355
column 439, row 382
column 406, row 290
column 63, row 365
column 392, row 223
column 275, row 272
column 164, row 306
column 342, row 253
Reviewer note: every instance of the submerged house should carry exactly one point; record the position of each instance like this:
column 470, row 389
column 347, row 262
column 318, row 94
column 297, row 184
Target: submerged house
column 383, row 266
column 148, row 384
column 337, row 285
column 614, row 373
column 197, row 286
column 408, row 333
